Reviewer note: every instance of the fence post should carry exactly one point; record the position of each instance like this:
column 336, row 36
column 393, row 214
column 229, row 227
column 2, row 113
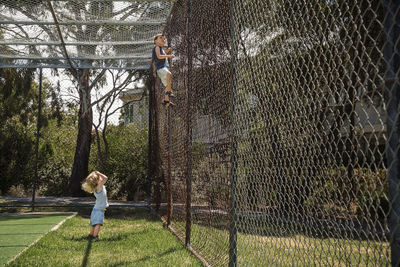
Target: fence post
column 392, row 87
column 150, row 125
column 37, row 139
column 233, row 214
column 188, row 128
column 168, row 179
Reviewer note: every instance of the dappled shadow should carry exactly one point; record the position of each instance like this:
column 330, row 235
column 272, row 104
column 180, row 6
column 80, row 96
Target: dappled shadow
column 159, row 255
column 275, row 224
column 121, row 263
column 130, row 214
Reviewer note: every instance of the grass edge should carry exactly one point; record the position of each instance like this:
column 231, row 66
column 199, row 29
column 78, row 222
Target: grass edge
column 40, row 237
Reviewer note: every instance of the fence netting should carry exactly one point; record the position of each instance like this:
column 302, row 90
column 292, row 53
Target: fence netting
column 109, row 34
column 284, row 136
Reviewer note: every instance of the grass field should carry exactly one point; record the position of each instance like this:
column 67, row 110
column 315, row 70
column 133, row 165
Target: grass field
column 130, row 237
column 286, row 250
column 17, row 231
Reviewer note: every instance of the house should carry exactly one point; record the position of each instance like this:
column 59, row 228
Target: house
column 135, row 105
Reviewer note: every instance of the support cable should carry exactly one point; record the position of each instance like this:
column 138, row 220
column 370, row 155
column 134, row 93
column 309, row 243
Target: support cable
column 61, row 38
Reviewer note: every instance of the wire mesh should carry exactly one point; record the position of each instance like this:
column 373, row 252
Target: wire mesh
column 96, row 34
column 288, row 153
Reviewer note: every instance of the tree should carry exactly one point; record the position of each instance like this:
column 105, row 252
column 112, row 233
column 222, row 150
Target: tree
column 17, row 105
column 18, row 114
column 82, row 11
column 104, row 104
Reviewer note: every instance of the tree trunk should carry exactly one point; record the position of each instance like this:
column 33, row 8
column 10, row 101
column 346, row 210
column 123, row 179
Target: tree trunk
column 82, row 152
column 99, row 153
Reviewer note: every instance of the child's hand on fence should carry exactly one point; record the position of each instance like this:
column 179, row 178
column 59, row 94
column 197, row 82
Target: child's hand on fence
column 169, row 49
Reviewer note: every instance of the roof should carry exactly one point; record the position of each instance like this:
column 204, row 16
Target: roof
column 103, row 34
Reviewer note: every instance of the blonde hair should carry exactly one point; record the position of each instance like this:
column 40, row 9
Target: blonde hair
column 90, row 182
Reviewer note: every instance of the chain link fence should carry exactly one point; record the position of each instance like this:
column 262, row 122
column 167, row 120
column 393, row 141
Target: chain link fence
column 283, row 146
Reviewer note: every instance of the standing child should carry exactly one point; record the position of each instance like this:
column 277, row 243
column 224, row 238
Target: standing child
column 94, row 183
column 160, row 58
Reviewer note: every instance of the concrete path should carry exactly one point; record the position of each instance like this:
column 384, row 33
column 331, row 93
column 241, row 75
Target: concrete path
column 69, row 201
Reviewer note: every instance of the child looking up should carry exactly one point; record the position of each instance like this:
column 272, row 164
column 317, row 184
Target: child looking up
column 94, row 183
column 160, row 58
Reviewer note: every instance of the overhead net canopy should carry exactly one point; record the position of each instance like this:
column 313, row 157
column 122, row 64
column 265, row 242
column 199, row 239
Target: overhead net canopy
column 80, row 33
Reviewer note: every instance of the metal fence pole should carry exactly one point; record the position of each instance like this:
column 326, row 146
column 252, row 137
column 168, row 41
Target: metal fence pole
column 189, row 128
column 149, row 148
column 37, row 139
column 392, row 87
column 234, row 163
column 168, row 178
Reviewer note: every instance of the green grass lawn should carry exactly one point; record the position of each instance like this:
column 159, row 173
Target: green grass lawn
column 288, row 250
column 17, row 231
column 130, row 237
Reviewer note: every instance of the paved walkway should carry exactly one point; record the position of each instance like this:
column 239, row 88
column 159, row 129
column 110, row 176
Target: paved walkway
column 69, row 201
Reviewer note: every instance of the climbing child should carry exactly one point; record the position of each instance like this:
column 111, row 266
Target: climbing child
column 94, row 183
column 160, row 58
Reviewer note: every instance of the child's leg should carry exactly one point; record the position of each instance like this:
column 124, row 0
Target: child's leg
column 169, row 82
column 91, row 233
column 96, row 229
column 166, row 97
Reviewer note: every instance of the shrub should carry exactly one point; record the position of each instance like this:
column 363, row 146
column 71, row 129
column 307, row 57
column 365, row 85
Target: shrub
column 126, row 164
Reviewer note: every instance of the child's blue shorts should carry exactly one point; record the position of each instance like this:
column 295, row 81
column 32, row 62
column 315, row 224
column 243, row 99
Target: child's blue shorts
column 97, row 217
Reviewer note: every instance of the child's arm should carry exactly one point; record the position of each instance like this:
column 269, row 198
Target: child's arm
column 159, row 56
column 102, row 180
column 169, row 49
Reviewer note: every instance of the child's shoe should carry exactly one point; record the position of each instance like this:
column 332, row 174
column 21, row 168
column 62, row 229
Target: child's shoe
column 170, row 94
column 167, row 103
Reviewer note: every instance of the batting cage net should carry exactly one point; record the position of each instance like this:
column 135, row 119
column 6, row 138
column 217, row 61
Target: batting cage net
column 80, row 33
column 282, row 147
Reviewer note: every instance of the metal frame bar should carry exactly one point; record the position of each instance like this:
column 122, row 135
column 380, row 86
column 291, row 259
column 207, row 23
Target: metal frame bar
column 94, row 23
column 10, row 66
column 173, row 1
column 77, row 43
column 75, row 58
column 168, row 177
column 61, row 38
column 150, row 125
column 392, row 60
column 63, row 44
column 234, row 164
column 189, row 89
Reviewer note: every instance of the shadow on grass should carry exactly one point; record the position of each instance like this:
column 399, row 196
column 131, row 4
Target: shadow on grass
column 116, row 237
column 128, row 213
column 87, row 253
column 159, row 255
